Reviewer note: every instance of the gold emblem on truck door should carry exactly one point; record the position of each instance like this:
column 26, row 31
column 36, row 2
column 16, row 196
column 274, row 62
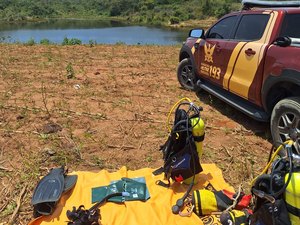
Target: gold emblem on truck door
column 207, row 67
column 209, row 51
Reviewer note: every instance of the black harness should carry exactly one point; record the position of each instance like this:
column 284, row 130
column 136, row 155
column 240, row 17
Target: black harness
column 181, row 160
column 92, row 216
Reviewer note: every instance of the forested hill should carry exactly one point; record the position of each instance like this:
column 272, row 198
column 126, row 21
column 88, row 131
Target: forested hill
column 141, row 11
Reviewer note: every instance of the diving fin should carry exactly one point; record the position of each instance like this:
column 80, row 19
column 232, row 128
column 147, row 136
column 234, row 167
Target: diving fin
column 49, row 190
column 70, row 181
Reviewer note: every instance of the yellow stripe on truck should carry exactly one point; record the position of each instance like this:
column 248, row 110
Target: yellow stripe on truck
column 231, row 63
column 193, row 48
column 246, row 66
column 270, row 25
column 245, row 70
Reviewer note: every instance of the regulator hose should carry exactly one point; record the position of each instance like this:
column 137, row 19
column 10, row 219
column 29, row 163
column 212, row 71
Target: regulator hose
column 271, row 196
column 286, row 143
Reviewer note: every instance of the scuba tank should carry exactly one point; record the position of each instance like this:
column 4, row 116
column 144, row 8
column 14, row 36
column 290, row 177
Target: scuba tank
column 292, row 197
column 277, row 195
column 207, row 202
column 198, row 134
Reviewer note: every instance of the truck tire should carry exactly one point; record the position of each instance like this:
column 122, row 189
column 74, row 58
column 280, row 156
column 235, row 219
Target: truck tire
column 285, row 122
column 186, row 75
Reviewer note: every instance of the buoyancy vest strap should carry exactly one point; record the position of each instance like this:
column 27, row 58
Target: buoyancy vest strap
column 209, row 187
column 295, row 211
column 198, row 203
column 159, row 182
column 223, row 197
column 158, row 171
column 199, row 138
column 163, row 184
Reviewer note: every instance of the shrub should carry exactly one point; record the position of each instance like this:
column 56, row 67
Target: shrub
column 71, row 41
column 174, row 20
column 92, row 43
column 222, row 10
column 30, row 42
column 3, row 39
column 65, row 41
column 120, row 43
column 70, row 71
column 74, row 41
column 45, row 41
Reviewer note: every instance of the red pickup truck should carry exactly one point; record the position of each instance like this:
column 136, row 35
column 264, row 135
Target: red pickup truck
column 251, row 60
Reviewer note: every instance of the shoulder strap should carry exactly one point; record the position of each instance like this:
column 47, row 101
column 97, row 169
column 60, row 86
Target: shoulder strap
column 158, row 171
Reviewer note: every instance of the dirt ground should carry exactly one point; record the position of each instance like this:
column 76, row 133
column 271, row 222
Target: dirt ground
column 104, row 107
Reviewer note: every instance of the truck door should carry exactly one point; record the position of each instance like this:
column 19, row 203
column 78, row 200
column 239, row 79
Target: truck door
column 253, row 35
column 213, row 53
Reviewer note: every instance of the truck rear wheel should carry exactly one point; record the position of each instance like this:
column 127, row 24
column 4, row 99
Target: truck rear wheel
column 185, row 74
column 285, row 122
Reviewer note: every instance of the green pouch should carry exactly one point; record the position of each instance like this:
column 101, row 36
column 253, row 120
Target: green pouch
column 136, row 188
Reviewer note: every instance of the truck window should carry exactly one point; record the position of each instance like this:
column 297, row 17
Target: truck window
column 291, row 26
column 251, row 27
column 223, row 28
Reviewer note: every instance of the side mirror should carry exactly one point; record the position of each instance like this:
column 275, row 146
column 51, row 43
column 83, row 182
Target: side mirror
column 196, row 33
column 283, row 41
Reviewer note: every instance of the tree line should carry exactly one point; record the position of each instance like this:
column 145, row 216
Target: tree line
column 139, row 11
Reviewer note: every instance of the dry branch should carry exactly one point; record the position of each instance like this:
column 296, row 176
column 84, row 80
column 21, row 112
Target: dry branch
column 6, row 169
column 121, row 147
column 19, row 202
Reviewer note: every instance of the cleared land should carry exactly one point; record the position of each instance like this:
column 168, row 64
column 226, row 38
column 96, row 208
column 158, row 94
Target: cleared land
column 103, row 107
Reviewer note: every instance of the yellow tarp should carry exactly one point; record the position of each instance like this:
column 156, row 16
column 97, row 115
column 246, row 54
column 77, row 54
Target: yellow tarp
column 155, row 211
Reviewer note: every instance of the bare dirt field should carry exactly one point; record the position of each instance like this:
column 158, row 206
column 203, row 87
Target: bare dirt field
column 104, row 107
